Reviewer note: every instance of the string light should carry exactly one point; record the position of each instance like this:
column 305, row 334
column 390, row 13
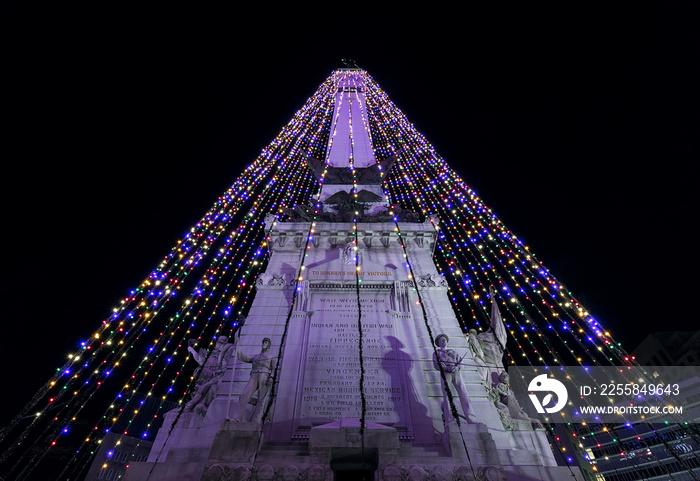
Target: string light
column 205, row 284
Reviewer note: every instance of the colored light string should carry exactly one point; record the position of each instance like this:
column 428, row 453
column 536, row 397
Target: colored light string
column 206, row 282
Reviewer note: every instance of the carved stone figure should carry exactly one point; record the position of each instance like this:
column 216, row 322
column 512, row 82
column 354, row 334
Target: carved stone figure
column 259, row 382
column 478, row 354
column 493, row 342
column 450, row 363
column 212, row 367
column 506, row 401
column 350, row 255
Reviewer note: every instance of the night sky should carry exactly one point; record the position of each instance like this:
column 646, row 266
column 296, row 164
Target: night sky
column 579, row 128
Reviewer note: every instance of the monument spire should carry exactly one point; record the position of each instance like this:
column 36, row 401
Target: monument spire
column 350, row 144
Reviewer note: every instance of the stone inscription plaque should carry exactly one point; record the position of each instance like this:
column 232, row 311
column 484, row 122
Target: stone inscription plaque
column 332, row 363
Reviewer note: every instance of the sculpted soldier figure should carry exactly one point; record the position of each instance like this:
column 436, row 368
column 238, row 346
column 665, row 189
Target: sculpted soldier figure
column 260, row 382
column 478, row 354
column 493, row 343
column 450, row 363
column 212, row 367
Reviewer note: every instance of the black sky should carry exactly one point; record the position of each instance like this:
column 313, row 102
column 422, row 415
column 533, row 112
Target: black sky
column 578, row 127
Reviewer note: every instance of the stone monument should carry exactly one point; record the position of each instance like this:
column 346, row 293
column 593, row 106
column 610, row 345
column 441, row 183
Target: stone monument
column 355, row 373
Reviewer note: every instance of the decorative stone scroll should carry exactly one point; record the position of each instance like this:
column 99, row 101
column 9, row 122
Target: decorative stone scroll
column 393, row 472
column 432, row 280
column 246, row 472
column 268, row 280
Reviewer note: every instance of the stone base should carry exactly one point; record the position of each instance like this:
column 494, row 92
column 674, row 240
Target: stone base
column 233, row 448
column 449, row 472
column 472, row 444
column 235, row 442
column 490, row 455
column 346, row 434
column 170, row 471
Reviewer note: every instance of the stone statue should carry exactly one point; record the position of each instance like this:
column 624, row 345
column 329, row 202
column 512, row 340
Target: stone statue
column 212, row 367
column 508, row 407
column 478, row 354
column 493, row 342
column 260, row 382
column 450, row 363
column 507, row 401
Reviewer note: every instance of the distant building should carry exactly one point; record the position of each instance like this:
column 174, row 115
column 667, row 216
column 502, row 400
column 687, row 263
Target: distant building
column 653, row 450
column 629, row 452
column 669, row 349
column 118, row 450
column 114, row 456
